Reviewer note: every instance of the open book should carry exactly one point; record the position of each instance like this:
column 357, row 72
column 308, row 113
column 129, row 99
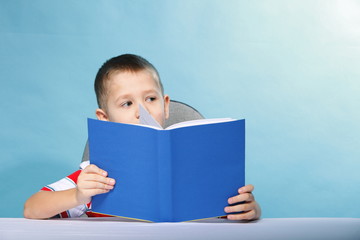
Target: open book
column 183, row 173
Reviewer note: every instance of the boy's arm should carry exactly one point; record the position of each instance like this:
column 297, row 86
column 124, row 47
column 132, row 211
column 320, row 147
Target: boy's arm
column 45, row 204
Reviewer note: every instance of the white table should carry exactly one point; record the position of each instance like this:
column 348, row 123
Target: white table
column 111, row 228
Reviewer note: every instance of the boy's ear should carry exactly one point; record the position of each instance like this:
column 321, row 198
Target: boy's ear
column 101, row 115
column 166, row 106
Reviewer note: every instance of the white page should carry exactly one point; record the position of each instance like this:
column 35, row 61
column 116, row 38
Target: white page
column 199, row 122
column 146, row 118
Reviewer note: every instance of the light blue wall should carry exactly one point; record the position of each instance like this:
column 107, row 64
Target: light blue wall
column 291, row 68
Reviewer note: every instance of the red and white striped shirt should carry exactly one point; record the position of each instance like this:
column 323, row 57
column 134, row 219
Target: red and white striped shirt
column 68, row 183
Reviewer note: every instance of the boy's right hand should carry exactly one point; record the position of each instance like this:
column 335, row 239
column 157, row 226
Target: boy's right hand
column 92, row 181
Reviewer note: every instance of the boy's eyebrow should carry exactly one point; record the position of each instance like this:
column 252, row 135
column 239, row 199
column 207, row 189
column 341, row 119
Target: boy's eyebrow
column 122, row 96
column 128, row 95
column 151, row 91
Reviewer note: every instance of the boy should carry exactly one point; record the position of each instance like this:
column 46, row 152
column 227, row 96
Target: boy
column 121, row 84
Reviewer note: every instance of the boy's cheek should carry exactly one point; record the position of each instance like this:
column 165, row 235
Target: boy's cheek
column 160, row 119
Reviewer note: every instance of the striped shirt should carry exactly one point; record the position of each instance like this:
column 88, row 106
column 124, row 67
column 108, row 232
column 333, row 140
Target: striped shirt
column 66, row 183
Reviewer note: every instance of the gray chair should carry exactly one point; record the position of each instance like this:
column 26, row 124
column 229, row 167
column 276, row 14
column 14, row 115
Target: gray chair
column 179, row 112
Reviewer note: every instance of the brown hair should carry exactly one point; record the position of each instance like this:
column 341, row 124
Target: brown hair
column 125, row 62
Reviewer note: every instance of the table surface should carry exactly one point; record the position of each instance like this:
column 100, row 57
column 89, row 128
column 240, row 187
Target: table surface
column 113, row 228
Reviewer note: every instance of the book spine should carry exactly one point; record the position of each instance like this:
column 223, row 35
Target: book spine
column 165, row 176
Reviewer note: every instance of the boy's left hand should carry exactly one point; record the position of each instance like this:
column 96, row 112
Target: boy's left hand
column 247, row 206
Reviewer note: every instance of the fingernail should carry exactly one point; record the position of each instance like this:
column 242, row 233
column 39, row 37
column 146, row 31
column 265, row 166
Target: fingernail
column 104, row 173
column 112, row 181
column 241, row 190
column 226, row 209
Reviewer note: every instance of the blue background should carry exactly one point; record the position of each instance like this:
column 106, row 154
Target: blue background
column 291, row 68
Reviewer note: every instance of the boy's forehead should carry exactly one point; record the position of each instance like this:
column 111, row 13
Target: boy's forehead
column 126, row 78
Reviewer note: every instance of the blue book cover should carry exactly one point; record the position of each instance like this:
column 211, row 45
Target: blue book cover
column 179, row 174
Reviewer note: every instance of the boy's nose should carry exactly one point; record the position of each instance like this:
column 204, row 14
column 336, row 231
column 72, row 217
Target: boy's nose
column 137, row 113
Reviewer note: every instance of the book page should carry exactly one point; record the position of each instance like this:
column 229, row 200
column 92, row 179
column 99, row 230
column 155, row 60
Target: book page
column 146, row 118
column 199, row 122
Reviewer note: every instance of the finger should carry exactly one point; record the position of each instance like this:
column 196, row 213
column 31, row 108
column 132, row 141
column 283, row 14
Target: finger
column 95, row 185
column 244, row 197
column 94, row 192
column 250, row 215
column 95, row 169
column 96, row 181
column 246, row 189
column 240, row 208
column 98, row 178
column 90, row 180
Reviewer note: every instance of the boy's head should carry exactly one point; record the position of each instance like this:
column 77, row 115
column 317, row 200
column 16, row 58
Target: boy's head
column 124, row 82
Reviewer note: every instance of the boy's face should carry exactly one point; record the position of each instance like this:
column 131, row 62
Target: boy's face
column 126, row 90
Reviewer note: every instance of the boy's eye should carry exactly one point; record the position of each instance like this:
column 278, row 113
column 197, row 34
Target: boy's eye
column 150, row 99
column 126, row 104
